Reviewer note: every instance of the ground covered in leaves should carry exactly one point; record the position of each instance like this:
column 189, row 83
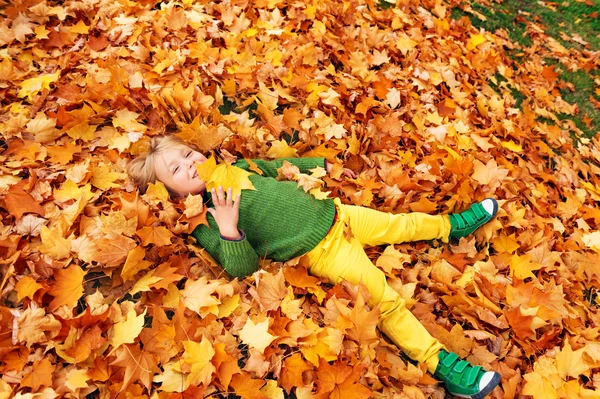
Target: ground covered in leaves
column 105, row 296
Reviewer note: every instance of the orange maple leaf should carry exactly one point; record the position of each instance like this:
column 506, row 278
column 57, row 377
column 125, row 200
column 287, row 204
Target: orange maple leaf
column 159, row 236
column 247, row 387
column 40, row 375
column 18, row 201
column 138, row 364
column 340, row 380
column 68, row 287
column 225, row 364
column 291, row 373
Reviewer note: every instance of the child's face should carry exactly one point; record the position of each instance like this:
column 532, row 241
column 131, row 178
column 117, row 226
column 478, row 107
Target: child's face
column 176, row 169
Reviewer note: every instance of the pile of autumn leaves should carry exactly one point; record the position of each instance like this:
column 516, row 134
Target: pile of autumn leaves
column 104, row 294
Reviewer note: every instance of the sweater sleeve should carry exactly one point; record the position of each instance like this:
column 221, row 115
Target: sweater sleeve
column 237, row 257
column 270, row 167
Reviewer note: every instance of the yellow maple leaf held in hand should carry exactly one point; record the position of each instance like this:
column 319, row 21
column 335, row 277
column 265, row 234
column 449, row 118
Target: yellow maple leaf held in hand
column 225, row 175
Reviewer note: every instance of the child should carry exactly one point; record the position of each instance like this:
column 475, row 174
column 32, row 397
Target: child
column 280, row 221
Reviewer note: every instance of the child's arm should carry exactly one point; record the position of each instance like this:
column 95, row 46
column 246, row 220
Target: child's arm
column 238, row 258
column 235, row 254
column 226, row 213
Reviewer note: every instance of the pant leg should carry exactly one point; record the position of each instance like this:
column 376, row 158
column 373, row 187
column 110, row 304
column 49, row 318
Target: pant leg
column 337, row 258
column 373, row 227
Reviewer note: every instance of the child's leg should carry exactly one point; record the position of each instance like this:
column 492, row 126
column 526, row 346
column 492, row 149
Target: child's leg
column 373, row 227
column 337, row 259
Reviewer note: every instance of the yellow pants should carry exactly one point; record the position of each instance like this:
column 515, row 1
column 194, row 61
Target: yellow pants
column 337, row 258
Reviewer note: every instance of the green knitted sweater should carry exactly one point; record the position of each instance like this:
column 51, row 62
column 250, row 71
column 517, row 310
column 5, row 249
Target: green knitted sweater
column 279, row 220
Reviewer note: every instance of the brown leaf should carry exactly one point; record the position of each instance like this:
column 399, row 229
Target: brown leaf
column 270, row 290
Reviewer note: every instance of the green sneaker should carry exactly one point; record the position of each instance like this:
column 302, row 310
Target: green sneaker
column 463, row 379
column 464, row 223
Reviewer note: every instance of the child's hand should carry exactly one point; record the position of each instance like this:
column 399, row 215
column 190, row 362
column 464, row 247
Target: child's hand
column 346, row 172
column 226, row 212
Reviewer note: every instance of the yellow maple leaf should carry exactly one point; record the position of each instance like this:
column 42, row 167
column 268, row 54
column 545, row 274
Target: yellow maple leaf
column 328, row 346
column 521, row 267
column 126, row 120
column 68, row 191
column 43, row 128
column 144, row 283
column 392, row 259
column 33, row 325
column 256, row 335
column 570, row 363
column 82, row 131
column 26, row 287
column 225, row 175
column 125, row 332
column 77, row 378
column 475, row 41
column 80, row 27
column 30, row 87
column 404, row 44
column 538, row 386
column 281, row 149
column 505, row 243
column 134, row 263
column 63, row 154
column 173, row 297
column 172, row 379
column 206, row 169
column 594, row 190
column 592, row 240
column 41, row 32
column 104, row 178
column 490, row 174
column 199, row 356
column 272, row 391
column 157, row 192
column 159, row 236
column 228, row 306
column 511, row 145
column 8, row 180
column 198, row 296
column 53, row 244
column 115, row 223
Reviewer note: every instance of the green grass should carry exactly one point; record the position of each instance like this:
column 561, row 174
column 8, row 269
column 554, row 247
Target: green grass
column 568, row 18
column 564, row 21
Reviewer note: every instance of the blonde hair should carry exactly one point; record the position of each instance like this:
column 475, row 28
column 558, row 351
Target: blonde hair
column 142, row 170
